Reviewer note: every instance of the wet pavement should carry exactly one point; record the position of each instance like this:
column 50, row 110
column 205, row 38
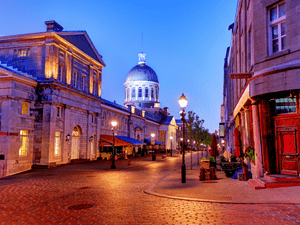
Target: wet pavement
column 92, row 193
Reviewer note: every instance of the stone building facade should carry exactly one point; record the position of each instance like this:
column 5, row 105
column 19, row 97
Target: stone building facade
column 261, row 85
column 51, row 110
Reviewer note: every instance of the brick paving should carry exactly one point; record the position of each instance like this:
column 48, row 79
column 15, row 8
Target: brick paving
column 91, row 193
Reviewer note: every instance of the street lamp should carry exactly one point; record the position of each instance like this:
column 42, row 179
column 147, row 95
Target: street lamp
column 152, row 144
column 171, row 138
column 183, row 103
column 114, row 124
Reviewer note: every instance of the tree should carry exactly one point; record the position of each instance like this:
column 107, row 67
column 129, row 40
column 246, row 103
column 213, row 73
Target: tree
column 196, row 132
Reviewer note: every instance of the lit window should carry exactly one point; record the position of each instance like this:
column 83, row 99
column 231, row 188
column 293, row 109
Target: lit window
column 93, row 146
column 24, row 143
column 285, row 105
column 277, row 28
column 25, row 108
column 24, row 52
column 57, row 145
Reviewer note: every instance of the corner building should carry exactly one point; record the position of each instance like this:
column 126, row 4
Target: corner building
column 262, row 83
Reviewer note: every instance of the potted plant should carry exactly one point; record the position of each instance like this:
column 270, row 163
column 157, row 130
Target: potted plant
column 250, row 153
column 212, row 161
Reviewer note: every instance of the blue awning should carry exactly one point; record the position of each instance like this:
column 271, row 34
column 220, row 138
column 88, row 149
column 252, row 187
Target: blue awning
column 131, row 140
column 148, row 142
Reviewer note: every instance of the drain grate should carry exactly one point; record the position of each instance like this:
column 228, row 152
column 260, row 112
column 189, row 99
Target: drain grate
column 80, row 206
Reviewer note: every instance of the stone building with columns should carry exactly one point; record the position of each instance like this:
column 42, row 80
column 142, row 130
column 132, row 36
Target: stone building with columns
column 51, row 110
column 261, row 85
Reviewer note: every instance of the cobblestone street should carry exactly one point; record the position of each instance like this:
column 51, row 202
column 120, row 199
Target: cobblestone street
column 91, row 193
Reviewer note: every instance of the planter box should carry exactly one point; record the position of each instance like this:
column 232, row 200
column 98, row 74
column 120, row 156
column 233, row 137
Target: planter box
column 205, row 164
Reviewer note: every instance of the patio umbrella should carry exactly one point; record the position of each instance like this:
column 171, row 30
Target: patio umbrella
column 227, row 154
column 214, row 148
column 237, row 143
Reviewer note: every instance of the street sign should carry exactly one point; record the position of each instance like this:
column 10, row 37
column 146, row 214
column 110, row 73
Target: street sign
column 240, row 75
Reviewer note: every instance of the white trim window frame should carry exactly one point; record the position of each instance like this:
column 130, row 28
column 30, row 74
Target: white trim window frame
column 277, row 28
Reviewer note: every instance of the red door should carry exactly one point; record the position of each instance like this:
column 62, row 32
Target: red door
column 288, row 151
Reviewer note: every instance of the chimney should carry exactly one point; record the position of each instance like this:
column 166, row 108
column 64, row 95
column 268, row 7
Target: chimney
column 53, row 26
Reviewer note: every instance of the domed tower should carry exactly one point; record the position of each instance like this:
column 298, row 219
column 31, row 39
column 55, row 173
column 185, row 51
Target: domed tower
column 141, row 86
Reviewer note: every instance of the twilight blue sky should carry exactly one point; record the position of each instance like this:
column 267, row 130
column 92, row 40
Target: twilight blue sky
column 185, row 43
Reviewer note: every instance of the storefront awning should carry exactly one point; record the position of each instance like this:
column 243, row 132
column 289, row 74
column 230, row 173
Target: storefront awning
column 148, row 142
column 131, row 140
column 107, row 140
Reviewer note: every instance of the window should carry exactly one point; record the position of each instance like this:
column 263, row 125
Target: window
column 152, row 93
column 24, row 52
column 79, row 81
column 133, row 93
column 93, row 118
column 58, row 112
column 140, row 92
column 25, row 108
column 146, row 92
column 249, row 50
column 74, row 79
column 57, row 145
column 277, row 28
column 83, row 82
column 285, row 105
column 60, row 72
column 24, row 143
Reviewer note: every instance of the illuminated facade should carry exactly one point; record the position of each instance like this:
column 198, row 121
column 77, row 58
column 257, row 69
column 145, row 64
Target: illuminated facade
column 51, row 110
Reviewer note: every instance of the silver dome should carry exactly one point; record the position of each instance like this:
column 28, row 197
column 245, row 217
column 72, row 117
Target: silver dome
column 141, row 72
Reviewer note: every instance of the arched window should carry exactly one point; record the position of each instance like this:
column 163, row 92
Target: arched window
column 133, row 93
column 152, row 93
column 156, row 94
column 146, row 92
column 127, row 94
column 140, row 92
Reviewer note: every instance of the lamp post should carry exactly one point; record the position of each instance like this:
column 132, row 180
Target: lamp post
column 152, row 144
column 171, row 138
column 114, row 124
column 183, row 102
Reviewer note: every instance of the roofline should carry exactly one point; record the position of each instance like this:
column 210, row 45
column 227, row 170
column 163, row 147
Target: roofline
column 56, row 35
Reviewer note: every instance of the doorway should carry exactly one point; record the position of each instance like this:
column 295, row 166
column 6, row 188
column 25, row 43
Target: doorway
column 75, row 143
column 288, row 153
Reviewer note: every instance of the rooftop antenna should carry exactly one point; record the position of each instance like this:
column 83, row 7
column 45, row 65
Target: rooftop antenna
column 142, row 56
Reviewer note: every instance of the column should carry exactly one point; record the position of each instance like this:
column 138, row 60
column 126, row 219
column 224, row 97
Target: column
column 257, row 143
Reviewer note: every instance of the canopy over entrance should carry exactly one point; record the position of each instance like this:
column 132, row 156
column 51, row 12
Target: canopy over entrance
column 148, row 142
column 107, row 140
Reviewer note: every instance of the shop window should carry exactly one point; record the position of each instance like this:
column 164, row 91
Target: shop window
column 57, row 145
column 24, row 143
column 285, row 105
column 25, row 108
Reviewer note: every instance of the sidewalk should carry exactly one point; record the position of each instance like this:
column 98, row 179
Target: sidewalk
column 222, row 190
